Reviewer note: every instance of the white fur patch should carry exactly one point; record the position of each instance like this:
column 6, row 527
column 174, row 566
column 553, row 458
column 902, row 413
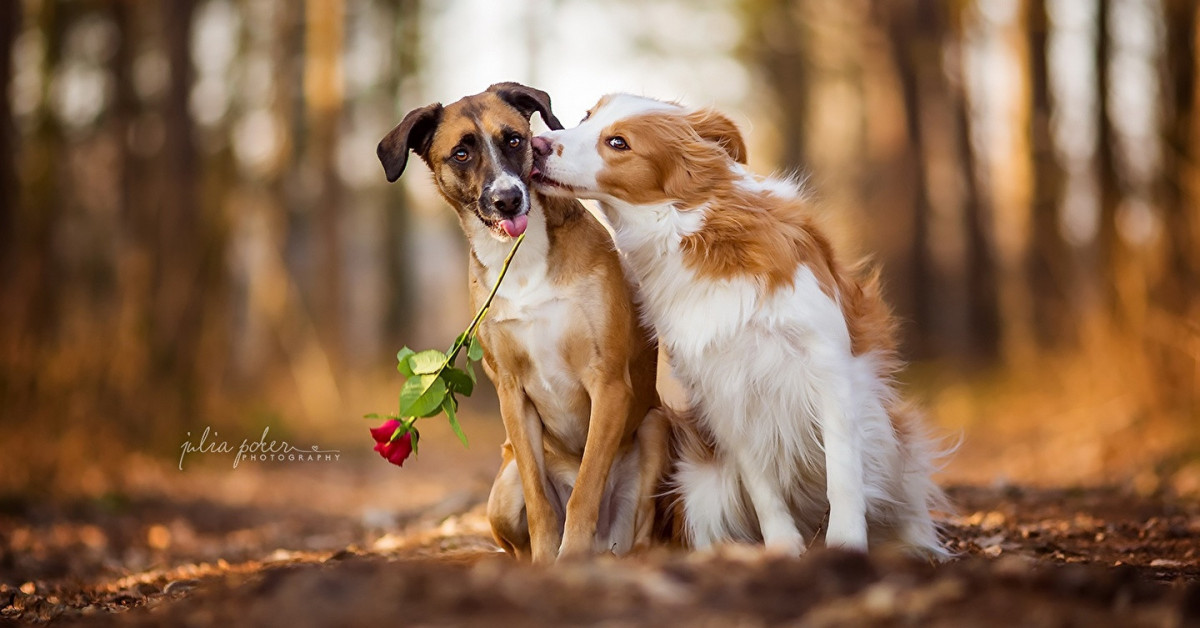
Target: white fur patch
column 536, row 313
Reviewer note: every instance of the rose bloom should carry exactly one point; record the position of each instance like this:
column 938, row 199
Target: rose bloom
column 397, row 451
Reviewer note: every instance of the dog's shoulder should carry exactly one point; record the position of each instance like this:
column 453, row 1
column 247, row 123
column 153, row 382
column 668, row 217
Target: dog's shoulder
column 578, row 243
column 561, row 212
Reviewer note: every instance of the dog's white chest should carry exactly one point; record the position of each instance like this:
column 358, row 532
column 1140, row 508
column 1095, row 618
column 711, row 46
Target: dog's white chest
column 535, row 316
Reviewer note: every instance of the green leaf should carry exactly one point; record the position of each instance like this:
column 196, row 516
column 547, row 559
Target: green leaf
column 436, row 410
column 402, row 357
column 422, row 394
column 459, row 341
column 450, row 405
column 397, row 433
column 416, row 438
column 426, row 362
column 459, row 381
column 474, row 351
column 471, row 370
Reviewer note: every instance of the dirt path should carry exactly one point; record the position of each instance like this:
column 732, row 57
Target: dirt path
column 359, row 542
column 1028, row 557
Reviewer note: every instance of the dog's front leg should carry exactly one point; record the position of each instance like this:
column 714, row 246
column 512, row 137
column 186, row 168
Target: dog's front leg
column 779, row 531
column 610, row 409
column 524, row 428
column 843, row 470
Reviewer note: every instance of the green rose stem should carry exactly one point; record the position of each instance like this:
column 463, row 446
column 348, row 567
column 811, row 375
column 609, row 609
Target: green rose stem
column 483, row 310
column 432, row 380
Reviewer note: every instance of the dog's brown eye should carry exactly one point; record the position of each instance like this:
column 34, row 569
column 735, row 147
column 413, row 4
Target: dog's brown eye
column 461, row 155
column 514, row 141
column 618, row 143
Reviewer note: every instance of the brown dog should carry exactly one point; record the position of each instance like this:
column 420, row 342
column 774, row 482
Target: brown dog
column 572, row 363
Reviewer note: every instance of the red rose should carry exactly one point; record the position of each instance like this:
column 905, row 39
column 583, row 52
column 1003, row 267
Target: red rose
column 394, row 451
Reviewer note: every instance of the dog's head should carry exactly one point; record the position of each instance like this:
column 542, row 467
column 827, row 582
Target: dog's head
column 640, row 151
column 478, row 149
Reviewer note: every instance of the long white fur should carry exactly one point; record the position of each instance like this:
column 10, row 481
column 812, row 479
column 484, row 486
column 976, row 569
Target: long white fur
column 799, row 422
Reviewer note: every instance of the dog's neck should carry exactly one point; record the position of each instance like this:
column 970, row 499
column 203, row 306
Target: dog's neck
column 645, row 234
column 488, row 252
column 650, row 238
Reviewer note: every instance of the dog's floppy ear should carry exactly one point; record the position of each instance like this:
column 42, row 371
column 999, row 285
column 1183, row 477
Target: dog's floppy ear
column 715, row 127
column 527, row 100
column 415, row 132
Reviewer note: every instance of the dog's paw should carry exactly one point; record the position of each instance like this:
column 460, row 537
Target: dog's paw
column 544, row 555
column 574, row 550
column 791, row 545
column 544, row 549
column 851, row 537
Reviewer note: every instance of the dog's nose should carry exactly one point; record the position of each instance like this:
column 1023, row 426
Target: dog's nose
column 541, row 145
column 507, row 200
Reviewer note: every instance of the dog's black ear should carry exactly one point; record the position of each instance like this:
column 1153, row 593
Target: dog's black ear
column 415, row 132
column 527, row 100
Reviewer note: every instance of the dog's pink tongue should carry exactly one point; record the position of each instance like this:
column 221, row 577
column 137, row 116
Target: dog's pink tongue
column 515, row 226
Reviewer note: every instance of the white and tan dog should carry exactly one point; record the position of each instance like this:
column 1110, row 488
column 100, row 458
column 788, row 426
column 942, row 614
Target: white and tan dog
column 573, row 366
column 787, row 356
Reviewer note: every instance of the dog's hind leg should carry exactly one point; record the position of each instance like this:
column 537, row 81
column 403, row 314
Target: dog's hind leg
column 627, row 512
column 918, row 456
column 842, row 437
column 506, row 508
column 651, row 447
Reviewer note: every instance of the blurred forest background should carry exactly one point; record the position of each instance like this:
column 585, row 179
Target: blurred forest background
column 194, row 230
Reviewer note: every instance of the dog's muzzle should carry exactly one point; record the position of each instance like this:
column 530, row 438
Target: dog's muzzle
column 508, row 201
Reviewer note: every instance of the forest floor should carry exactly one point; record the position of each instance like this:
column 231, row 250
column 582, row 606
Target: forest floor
column 359, row 542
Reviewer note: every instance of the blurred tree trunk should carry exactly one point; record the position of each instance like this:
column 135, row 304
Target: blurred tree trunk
column 177, row 245
column 1179, row 284
column 397, row 205
column 124, row 113
column 774, row 42
column 1048, row 264
column 41, row 207
column 181, row 232
column 916, row 35
column 324, row 20
column 1110, row 249
column 1181, row 278
column 10, row 24
column 983, row 299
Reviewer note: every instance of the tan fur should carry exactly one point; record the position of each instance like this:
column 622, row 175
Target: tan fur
column 484, row 115
column 611, row 354
column 686, row 158
column 667, row 161
column 713, row 127
column 606, row 350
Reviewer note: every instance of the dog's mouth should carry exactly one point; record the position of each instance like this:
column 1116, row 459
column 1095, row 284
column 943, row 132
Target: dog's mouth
column 505, row 227
column 543, row 181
